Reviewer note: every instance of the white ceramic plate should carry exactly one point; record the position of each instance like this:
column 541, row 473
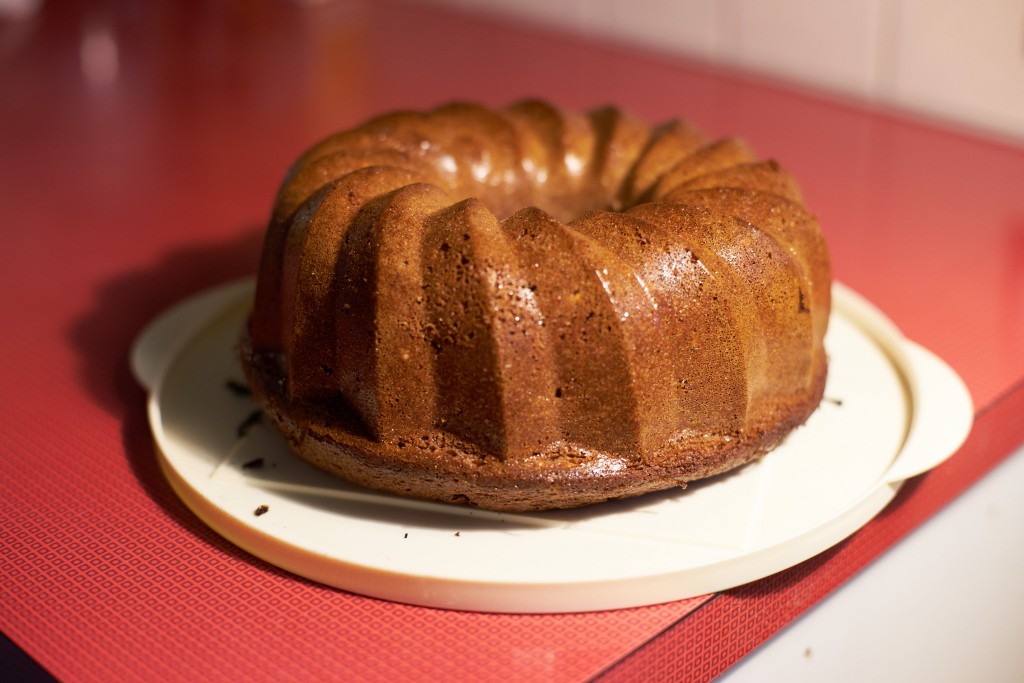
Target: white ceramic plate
column 892, row 410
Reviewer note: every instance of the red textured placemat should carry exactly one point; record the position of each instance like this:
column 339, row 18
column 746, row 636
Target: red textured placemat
column 121, row 199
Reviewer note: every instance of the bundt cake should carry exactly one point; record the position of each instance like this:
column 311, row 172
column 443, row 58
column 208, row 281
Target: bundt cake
column 529, row 309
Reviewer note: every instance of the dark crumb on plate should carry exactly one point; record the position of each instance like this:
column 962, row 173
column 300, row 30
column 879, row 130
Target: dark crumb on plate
column 406, row 535
column 254, row 419
column 253, row 464
column 458, row 533
column 261, row 510
column 238, row 388
column 833, row 401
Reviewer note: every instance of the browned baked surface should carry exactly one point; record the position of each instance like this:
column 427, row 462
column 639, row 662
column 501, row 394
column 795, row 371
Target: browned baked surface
column 528, row 309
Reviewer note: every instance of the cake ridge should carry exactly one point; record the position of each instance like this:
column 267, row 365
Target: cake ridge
column 771, row 287
column 714, row 156
column 588, row 325
column 790, row 224
column 308, row 273
column 391, row 391
column 667, row 144
column 476, row 271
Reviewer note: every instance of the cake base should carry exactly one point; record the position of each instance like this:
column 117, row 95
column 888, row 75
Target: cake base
column 435, row 466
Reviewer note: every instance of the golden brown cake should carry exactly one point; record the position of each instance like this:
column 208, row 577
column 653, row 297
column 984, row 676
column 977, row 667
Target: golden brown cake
column 530, row 309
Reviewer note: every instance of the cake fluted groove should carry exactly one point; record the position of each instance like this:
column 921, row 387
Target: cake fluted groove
column 793, row 227
column 384, row 363
column 667, row 145
column 620, row 140
column 766, row 283
column 762, row 176
column 627, row 409
column 311, row 177
column 714, row 156
column 309, row 276
column 706, row 360
column 488, row 337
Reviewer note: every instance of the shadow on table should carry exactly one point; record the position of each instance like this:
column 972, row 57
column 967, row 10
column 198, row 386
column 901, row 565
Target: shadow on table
column 124, row 305
column 103, row 338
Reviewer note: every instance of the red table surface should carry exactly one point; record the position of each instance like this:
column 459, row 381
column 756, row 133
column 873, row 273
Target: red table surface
column 140, row 147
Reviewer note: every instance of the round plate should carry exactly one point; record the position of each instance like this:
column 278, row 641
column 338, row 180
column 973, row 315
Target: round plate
column 891, row 410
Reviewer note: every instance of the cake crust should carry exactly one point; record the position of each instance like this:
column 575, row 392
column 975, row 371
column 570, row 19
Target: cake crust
column 527, row 309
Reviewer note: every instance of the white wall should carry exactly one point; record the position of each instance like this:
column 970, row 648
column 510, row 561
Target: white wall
column 959, row 61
